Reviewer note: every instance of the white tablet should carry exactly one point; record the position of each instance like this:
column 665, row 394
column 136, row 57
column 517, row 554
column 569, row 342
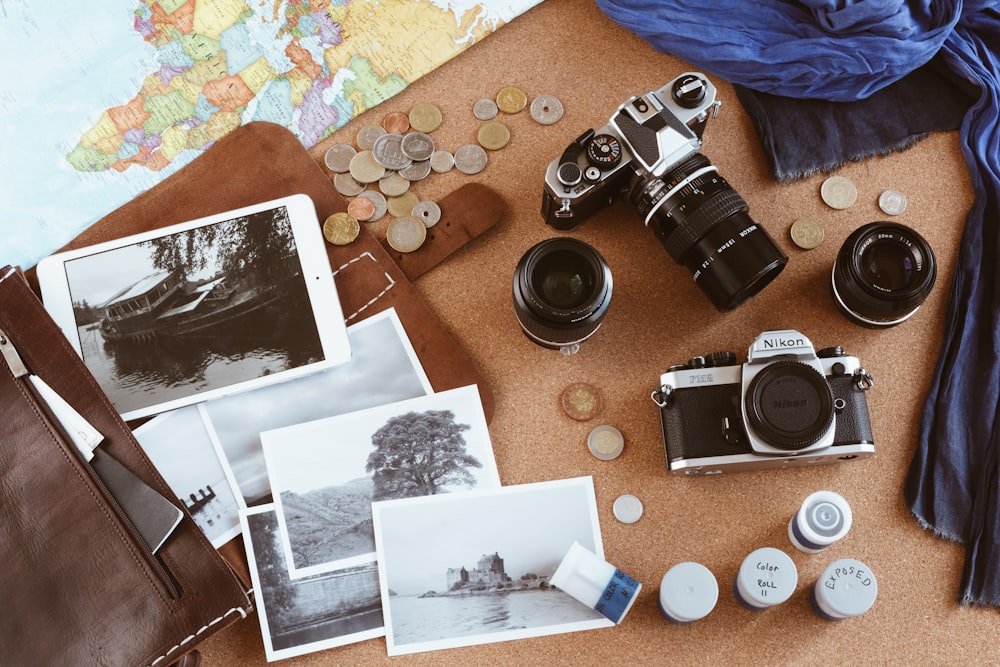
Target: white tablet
column 201, row 309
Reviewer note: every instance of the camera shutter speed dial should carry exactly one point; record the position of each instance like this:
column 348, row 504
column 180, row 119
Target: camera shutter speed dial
column 604, row 152
column 689, row 91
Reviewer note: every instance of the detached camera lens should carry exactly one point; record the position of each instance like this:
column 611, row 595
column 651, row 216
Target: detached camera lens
column 882, row 275
column 562, row 288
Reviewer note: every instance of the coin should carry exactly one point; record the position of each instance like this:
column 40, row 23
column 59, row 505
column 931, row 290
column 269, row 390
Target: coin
column 361, row 208
column 406, row 234
column 367, row 135
column 427, row 212
column 417, row 171
column 341, row 228
column 425, row 117
column 493, row 135
column 806, row 233
column 393, row 185
column 892, row 202
column 378, row 200
column 442, row 162
column 511, row 99
column 838, row 192
column 346, row 185
column 605, row 442
column 470, row 159
column 388, row 151
column 396, row 122
column 365, row 169
column 338, row 157
column 546, row 109
column 627, row 508
column 581, row 401
column 402, row 206
column 484, row 109
column 417, row 146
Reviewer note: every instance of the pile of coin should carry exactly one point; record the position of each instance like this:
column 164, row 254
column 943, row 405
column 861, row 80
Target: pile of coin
column 400, row 152
column 839, row 192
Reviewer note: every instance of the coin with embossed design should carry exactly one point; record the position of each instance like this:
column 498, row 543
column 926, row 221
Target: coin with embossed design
column 402, row 206
column 493, row 135
column 511, row 99
column 428, row 212
column 417, row 146
column 388, row 151
column 341, row 228
column 470, row 159
column 365, row 169
column 367, row 135
column 346, row 185
column 396, row 122
column 838, row 192
column 361, row 208
column 484, row 109
column 425, row 117
column 417, row 171
column 405, row 234
column 807, row 233
column 442, row 162
column 393, row 185
column 546, row 109
column 338, row 157
column 892, row 202
column 378, row 201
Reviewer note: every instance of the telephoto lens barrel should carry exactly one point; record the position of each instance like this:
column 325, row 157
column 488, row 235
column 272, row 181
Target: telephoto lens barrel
column 562, row 288
column 883, row 273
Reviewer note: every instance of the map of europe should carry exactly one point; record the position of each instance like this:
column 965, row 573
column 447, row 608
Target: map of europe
column 116, row 96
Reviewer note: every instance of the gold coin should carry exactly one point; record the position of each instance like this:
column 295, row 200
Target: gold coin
column 393, row 185
column 511, row 99
column 361, row 208
column 364, row 168
column 396, row 122
column 493, row 135
column 402, row 206
column 341, row 228
column 406, row 234
column 581, row 401
column 806, row 233
column 425, row 117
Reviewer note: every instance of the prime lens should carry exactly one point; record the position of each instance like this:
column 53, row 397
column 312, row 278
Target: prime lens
column 704, row 225
column 882, row 274
column 562, row 289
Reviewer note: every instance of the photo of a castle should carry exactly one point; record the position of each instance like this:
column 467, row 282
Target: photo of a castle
column 488, row 575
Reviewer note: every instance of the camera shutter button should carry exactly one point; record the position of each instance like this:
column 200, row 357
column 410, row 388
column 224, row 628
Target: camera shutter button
column 569, row 174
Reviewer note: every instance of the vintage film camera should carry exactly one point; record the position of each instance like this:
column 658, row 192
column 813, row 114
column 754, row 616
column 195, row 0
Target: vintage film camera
column 786, row 406
column 649, row 150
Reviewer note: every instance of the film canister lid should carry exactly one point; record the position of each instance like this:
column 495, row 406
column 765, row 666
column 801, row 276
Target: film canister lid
column 688, row 592
column 824, row 518
column 846, row 588
column 596, row 583
column 766, row 578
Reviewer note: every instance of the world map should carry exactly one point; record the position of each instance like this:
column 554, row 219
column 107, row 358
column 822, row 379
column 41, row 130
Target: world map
column 112, row 97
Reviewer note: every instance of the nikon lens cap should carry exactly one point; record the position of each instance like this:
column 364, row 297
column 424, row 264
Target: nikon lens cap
column 790, row 405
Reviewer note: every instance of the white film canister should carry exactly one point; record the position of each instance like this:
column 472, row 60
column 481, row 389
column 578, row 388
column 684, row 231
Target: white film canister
column 824, row 518
column 766, row 578
column 846, row 588
column 688, row 592
column 596, row 583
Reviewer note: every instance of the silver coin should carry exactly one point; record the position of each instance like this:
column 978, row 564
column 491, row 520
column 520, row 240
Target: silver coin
column 839, row 192
column 405, row 234
column 417, row 171
column 417, row 146
column 892, row 202
column 378, row 199
column 546, row 109
column 367, row 135
column 346, row 185
column 470, row 159
column 427, row 212
column 388, row 151
column 605, row 442
column 442, row 162
column 485, row 109
column 627, row 508
column 338, row 157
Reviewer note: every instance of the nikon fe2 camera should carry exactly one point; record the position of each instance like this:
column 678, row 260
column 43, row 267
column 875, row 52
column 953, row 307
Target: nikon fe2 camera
column 649, row 150
column 786, row 406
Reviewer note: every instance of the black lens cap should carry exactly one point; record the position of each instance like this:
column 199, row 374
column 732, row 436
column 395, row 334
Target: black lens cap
column 789, row 405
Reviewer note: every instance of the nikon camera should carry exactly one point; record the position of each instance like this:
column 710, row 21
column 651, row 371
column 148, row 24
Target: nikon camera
column 648, row 152
column 786, row 406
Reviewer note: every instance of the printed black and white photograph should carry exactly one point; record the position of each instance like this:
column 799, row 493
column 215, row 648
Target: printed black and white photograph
column 163, row 321
column 383, row 369
column 326, row 474
column 474, row 567
column 179, row 446
column 309, row 614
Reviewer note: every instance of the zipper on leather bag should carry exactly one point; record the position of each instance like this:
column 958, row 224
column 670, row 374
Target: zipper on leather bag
column 20, row 372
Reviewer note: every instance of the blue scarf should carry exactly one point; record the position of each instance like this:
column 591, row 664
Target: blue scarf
column 846, row 51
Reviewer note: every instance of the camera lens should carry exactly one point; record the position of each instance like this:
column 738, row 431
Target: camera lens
column 789, row 405
column 882, row 274
column 562, row 288
column 704, row 225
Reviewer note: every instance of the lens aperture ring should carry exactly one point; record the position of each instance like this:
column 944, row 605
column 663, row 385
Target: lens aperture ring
column 718, row 206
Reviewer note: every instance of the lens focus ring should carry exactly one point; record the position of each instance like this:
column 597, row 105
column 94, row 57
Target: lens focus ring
column 719, row 206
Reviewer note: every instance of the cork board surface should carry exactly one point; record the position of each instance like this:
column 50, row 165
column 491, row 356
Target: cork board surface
column 657, row 318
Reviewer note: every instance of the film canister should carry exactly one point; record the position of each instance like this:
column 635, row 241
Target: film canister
column 846, row 588
column 688, row 592
column 766, row 578
column 824, row 518
column 596, row 583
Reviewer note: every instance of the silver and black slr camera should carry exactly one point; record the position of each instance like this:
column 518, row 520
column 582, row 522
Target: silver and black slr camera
column 788, row 405
column 649, row 150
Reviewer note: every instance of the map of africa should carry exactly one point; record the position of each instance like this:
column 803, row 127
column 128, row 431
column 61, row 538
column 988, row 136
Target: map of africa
column 112, row 97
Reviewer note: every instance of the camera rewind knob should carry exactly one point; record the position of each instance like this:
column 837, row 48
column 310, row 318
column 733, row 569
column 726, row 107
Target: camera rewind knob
column 716, row 359
column 689, row 91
